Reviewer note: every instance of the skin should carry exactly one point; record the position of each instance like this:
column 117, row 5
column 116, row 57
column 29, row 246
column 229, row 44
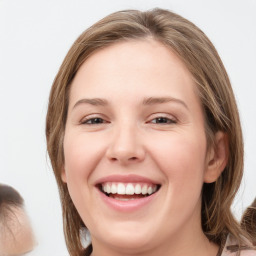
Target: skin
column 129, row 139
column 18, row 239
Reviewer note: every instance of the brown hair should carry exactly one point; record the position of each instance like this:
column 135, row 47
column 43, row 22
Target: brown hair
column 215, row 92
column 10, row 196
column 248, row 221
column 9, row 199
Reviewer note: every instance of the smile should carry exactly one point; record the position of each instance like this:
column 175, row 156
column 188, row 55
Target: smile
column 128, row 191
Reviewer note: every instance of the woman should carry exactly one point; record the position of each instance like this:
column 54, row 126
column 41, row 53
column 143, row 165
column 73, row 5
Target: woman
column 145, row 141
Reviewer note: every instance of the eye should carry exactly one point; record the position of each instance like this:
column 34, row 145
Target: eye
column 163, row 120
column 94, row 120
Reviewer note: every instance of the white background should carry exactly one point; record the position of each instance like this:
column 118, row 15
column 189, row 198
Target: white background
column 34, row 38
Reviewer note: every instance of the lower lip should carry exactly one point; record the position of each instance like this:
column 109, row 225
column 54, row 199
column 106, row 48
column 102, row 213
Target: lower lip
column 127, row 206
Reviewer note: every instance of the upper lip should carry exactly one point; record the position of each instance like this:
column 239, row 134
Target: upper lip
column 130, row 178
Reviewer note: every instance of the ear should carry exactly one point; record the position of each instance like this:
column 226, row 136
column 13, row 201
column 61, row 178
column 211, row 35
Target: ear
column 217, row 158
column 63, row 175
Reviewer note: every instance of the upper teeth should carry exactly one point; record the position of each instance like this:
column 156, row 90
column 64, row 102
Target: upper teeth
column 128, row 188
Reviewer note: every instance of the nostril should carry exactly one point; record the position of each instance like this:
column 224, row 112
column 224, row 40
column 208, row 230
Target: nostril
column 133, row 158
column 113, row 159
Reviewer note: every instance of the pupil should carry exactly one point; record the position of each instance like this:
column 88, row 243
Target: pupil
column 96, row 120
column 161, row 120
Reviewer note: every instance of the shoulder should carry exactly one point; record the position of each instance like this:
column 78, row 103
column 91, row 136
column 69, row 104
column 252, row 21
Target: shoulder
column 231, row 248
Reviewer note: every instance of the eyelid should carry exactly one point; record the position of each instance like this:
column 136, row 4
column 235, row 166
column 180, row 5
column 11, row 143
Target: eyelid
column 93, row 116
column 163, row 115
column 149, row 119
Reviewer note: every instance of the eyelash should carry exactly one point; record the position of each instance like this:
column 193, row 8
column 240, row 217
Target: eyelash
column 90, row 121
column 161, row 120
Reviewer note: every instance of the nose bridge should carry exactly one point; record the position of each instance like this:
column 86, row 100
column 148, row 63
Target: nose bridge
column 125, row 145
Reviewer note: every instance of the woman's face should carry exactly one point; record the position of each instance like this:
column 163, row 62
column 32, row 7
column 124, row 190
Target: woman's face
column 135, row 147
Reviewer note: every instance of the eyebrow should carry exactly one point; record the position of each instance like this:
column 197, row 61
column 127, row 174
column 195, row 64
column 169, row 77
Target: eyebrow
column 94, row 102
column 146, row 101
column 161, row 100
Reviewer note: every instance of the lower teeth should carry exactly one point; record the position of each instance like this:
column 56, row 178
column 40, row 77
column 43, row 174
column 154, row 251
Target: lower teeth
column 125, row 197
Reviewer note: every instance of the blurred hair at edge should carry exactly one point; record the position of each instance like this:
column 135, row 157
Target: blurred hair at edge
column 16, row 233
column 214, row 89
column 248, row 221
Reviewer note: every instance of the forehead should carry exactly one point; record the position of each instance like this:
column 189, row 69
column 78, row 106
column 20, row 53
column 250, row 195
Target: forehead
column 144, row 66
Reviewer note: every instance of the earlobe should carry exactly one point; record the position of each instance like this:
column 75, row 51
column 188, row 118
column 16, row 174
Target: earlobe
column 63, row 175
column 217, row 158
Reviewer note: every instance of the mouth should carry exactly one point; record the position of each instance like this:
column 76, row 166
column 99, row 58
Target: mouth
column 128, row 191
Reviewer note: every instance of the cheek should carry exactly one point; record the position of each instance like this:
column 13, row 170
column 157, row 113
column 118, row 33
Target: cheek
column 81, row 158
column 81, row 155
column 182, row 160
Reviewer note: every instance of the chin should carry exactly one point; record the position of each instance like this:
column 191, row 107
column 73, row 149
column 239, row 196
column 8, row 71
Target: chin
column 129, row 240
column 131, row 244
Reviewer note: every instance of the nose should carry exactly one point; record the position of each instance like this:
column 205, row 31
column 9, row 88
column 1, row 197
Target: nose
column 126, row 146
